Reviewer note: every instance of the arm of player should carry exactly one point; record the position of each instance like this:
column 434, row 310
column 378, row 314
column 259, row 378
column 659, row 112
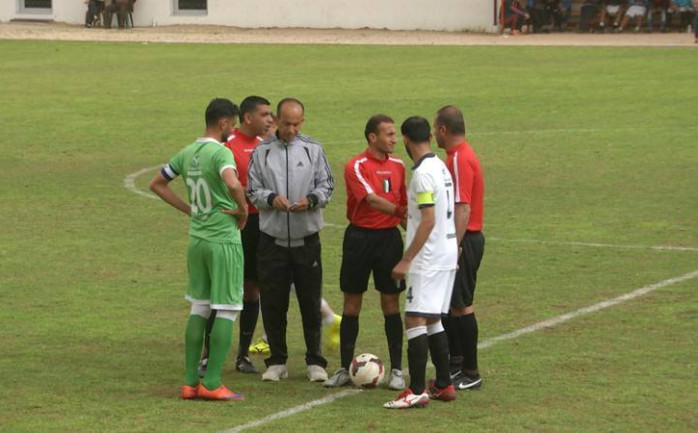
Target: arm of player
column 160, row 186
column 237, row 193
column 384, row 205
column 426, row 225
column 462, row 216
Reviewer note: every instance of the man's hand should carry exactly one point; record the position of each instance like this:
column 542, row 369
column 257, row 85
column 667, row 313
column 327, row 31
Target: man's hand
column 400, row 270
column 300, row 205
column 239, row 214
column 281, row 203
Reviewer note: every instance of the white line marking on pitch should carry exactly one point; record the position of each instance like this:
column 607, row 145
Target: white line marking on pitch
column 598, row 245
column 293, row 410
column 485, row 344
column 587, row 310
column 130, row 182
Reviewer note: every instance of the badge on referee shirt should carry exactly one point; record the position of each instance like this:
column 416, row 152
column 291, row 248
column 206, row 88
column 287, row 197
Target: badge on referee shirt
column 387, row 187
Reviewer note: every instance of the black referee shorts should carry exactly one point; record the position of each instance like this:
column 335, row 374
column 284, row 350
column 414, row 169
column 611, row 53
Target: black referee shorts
column 370, row 250
column 250, row 240
column 473, row 245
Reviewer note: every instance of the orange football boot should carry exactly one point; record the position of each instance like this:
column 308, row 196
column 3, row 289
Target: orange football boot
column 189, row 392
column 221, row 394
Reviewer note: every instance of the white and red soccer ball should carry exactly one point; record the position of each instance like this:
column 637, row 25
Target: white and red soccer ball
column 366, row 370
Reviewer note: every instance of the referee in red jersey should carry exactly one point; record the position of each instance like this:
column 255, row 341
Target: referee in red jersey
column 376, row 204
column 469, row 191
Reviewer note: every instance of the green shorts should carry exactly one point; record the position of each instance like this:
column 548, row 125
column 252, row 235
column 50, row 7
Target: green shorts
column 215, row 274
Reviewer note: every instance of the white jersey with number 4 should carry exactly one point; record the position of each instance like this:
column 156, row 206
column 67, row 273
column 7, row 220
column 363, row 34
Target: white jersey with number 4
column 431, row 185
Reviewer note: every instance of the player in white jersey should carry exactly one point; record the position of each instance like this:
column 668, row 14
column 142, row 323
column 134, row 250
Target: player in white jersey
column 429, row 263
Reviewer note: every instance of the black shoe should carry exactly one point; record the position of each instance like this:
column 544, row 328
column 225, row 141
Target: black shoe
column 456, row 375
column 245, row 365
column 468, row 382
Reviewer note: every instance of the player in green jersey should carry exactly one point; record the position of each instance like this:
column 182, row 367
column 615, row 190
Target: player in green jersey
column 218, row 212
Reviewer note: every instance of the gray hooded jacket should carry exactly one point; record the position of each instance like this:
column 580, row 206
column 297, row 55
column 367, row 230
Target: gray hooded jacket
column 297, row 170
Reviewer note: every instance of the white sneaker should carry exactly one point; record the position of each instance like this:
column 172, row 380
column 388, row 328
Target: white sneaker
column 408, row 399
column 275, row 373
column 316, row 373
column 397, row 382
column 339, row 378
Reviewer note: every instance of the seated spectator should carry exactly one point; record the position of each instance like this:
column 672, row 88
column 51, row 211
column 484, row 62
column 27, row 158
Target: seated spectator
column 683, row 8
column 539, row 16
column 589, row 11
column 561, row 14
column 94, row 9
column 695, row 20
column 514, row 16
column 122, row 8
column 613, row 9
column 657, row 7
column 636, row 9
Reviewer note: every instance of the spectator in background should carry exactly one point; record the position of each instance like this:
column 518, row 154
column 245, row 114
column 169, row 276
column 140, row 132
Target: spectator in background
column 613, row 9
column 514, row 16
column 637, row 10
column 589, row 11
column 695, row 19
column 534, row 9
column 122, row 8
column 94, row 8
column 684, row 8
column 654, row 7
column 561, row 14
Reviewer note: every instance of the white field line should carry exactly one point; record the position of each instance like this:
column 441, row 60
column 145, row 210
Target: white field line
column 130, row 184
column 292, row 411
column 485, row 344
column 587, row 310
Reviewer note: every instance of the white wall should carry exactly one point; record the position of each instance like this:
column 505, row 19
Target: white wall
column 453, row 15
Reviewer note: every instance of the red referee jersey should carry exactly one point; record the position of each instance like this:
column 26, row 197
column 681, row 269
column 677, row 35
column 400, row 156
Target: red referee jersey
column 469, row 184
column 365, row 174
column 242, row 147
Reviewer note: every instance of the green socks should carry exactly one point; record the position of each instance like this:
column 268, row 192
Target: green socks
column 193, row 340
column 221, row 340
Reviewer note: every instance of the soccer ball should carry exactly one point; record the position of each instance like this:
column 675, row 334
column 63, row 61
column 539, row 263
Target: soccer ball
column 366, row 370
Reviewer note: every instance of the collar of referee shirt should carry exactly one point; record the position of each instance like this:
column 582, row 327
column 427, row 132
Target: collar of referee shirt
column 369, row 154
column 460, row 146
column 428, row 155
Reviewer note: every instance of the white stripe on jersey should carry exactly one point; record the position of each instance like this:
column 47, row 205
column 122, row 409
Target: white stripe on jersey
column 228, row 166
column 358, row 162
column 396, row 160
column 456, row 186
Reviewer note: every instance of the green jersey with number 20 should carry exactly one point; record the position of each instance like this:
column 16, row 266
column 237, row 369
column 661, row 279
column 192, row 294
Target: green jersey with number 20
column 201, row 164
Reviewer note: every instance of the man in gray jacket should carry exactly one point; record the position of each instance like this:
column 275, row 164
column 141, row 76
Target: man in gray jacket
column 289, row 181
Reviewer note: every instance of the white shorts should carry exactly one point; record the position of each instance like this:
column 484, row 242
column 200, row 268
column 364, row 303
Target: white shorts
column 635, row 11
column 613, row 9
column 429, row 293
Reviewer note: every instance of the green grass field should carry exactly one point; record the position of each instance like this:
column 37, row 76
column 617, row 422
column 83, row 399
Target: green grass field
column 579, row 145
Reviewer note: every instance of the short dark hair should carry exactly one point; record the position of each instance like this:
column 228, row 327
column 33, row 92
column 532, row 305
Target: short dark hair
column 284, row 101
column 218, row 109
column 249, row 104
column 452, row 118
column 374, row 122
column 416, row 128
